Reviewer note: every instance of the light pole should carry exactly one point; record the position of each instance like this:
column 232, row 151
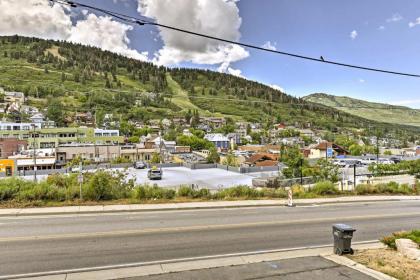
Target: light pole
column 34, row 144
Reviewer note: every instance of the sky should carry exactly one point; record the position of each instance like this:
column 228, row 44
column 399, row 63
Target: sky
column 372, row 33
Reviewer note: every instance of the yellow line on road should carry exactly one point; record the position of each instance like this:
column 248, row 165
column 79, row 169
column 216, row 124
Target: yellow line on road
column 201, row 227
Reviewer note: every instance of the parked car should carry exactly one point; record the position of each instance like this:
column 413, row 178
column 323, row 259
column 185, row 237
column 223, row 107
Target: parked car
column 140, row 165
column 154, row 173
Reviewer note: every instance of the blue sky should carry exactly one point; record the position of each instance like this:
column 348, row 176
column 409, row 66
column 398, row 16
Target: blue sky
column 310, row 27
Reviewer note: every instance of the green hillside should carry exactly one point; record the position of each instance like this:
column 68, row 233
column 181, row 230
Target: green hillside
column 64, row 78
column 370, row 110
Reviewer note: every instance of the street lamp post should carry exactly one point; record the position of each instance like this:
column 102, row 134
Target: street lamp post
column 34, row 144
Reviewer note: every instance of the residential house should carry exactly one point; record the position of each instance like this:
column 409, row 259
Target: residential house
column 321, row 150
column 235, row 138
column 29, row 110
column 262, row 159
column 14, row 97
column 219, row 140
column 215, row 122
column 307, row 133
column 37, row 118
column 84, row 119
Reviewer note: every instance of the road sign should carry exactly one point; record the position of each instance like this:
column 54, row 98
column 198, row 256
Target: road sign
column 80, row 178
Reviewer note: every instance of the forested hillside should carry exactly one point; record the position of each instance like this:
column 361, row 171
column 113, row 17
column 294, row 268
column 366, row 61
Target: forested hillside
column 66, row 78
column 369, row 110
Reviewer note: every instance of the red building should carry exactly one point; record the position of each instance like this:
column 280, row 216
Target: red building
column 11, row 146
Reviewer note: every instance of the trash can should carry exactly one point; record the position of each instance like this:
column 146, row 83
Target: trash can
column 342, row 239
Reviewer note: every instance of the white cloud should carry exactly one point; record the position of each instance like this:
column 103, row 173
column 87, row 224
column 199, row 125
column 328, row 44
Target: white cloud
column 269, row 45
column 353, row 34
column 381, row 27
column 394, row 18
column 235, row 72
column 219, row 18
column 38, row 18
column 276, row 87
column 414, row 23
column 104, row 33
column 361, row 80
column 35, row 18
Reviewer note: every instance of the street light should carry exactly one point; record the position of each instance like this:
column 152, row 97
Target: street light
column 34, row 145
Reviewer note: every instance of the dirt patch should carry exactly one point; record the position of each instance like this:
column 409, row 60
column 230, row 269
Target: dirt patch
column 390, row 262
column 54, row 51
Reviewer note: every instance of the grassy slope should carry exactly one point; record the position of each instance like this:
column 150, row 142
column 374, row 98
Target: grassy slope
column 369, row 110
column 180, row 96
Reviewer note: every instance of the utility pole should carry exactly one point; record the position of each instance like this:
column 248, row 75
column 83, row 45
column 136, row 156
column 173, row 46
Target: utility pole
column 34, row 144
column 301, row 171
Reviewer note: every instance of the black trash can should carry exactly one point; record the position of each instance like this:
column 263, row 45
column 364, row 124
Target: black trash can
column 342, row 239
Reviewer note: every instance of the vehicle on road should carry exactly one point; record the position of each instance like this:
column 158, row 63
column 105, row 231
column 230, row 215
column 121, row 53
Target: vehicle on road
column 154, row 173
column 140, row 165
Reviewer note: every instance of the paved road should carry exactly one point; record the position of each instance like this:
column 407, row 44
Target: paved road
column 37, row 244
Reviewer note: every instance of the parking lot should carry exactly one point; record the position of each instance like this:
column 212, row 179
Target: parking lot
column 213, row 178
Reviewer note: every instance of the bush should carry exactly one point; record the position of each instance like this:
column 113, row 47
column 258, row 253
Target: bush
column 240, row 192
column 389, row 188
column 103, row 185
column 148, row 193
column 325, row 188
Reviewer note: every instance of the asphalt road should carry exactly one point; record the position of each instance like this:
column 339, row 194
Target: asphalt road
column 39, row 244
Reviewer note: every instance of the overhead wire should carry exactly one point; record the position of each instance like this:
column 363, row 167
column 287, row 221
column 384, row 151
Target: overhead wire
column 143, row 21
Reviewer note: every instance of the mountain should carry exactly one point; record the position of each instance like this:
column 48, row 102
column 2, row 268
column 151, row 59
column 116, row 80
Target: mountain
column 63, row 79
column 370, row 110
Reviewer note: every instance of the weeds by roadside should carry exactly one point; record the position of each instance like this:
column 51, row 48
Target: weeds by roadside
column 103, row 186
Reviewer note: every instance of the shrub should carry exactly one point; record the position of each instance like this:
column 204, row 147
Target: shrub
column 366, row 189
column 103, row 185
column 240, row 191
column 325, row 188
column 148, row 193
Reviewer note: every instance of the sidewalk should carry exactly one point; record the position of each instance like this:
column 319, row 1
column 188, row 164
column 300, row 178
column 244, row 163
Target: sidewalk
column 193, row 205
column 296, row 264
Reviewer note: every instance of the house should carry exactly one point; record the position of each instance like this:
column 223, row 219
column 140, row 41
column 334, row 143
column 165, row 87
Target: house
column 235, row 138
column 218, row 139
column 13, row 96
column 37, row 118
column 214, row 122
column 29, row 110
column 262, row 159
column 306, row 133
column 326, row 149
column 84, row 118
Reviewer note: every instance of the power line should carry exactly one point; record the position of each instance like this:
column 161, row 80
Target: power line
column 142, row 21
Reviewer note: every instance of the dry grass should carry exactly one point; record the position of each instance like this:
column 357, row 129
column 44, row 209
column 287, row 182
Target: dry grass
column 390, row 262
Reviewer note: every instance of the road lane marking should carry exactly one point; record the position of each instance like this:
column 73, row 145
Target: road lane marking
column 177, row 260
column 201, row 227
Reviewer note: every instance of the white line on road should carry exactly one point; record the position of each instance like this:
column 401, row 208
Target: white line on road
column 259, row 252
column 201, row 227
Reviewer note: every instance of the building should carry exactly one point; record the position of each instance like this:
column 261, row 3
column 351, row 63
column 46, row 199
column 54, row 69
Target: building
column 37, row 118
column 11, row 146
column 102, row 153
column 214, row 122
column 219, row 140
column 326, row 149
column 262, row 159
column 40, row 137
column 14, row 97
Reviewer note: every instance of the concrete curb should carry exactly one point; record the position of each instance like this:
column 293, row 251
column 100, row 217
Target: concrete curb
column 178, row 265
column 15, row 212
